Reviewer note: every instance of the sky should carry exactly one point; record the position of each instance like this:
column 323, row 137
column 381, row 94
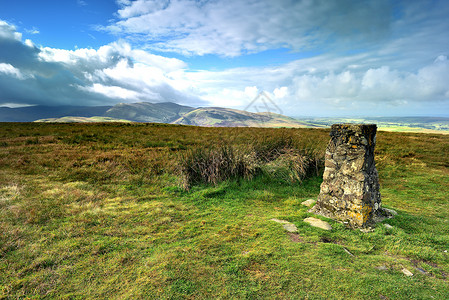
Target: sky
column 311, row 57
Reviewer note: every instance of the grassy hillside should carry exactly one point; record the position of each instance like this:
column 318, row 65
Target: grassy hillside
column 226, row 117
column 148, row 112
column 80, row 120
column 32, row 113
column 98, row 211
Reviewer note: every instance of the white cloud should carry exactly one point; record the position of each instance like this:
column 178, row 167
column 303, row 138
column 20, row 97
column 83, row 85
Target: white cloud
column 251, row 91
column 29, row 43
column 233, row 27
column 394, row 45
column 11, row 70
column 123, row 2
column 109, row 53
column 112, row 92
column 33, row 30
column 8, row 31
column 280, row 93
column 140, row 7
column 328, row 85
column 141, row 56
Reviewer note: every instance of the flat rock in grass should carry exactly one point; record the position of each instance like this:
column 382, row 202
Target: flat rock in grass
column 318, row 223
column 290, row 227
column 390, row 211
column 309, row 202
column 388, row 226
column 407, row 272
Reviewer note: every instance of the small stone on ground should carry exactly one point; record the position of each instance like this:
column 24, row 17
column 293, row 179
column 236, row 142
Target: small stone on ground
column 388, row 226
column 309, row 202
column 407, row 272
column 318, row 223
column 390, row 211
column 290, row 227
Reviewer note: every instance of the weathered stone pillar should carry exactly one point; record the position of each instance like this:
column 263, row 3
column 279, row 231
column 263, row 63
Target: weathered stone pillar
column 350, row 188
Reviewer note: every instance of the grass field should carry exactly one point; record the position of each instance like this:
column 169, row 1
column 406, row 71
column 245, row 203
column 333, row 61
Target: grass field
column 101, row 211
column 433, row 125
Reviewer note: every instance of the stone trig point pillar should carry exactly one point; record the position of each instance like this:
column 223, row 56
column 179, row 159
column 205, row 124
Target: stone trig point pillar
column 350, row 188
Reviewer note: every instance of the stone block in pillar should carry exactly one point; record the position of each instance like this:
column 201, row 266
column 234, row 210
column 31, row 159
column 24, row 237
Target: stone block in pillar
column 350, row 188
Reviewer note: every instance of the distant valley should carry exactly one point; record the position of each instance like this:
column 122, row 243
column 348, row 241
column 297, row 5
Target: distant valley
column 399, row 124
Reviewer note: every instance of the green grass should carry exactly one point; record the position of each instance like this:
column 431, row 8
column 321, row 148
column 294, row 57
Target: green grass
column 99, row 211
column 393, row 124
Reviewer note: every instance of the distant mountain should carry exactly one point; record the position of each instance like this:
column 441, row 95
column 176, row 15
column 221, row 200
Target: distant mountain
column 169, row 112
column 176, row 114
column 166, row 112
column 32, row 113
column 226, row 117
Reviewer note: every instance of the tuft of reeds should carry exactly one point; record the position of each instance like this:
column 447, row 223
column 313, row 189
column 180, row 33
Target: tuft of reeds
column 215, row 165
column 277, row 157
column 290, row 166
column 269, row 148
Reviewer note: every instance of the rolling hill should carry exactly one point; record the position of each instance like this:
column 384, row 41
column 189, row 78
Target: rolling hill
column 69, row 119
column 166, row 112
column 32, row 113
column 226, row 117
column 173, row 113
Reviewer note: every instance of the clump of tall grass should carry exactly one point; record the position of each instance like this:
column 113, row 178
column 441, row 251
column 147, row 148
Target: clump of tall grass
column 215, row 165
column 270, row 148
column 289, row 166
column 276, row 157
